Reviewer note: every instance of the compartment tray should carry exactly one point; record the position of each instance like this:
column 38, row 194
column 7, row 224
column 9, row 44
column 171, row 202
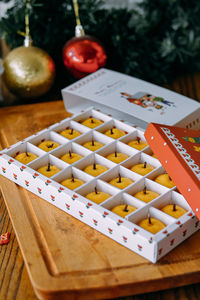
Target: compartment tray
column 62, row 262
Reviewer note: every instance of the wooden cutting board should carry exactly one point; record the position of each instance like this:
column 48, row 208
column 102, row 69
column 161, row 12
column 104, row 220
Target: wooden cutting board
column 67, row 259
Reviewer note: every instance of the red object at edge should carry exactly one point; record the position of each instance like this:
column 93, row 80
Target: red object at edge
column 4, row 238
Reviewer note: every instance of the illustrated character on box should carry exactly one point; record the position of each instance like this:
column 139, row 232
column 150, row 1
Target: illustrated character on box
column 137, row 101
column 146, row 100
column 195, row 140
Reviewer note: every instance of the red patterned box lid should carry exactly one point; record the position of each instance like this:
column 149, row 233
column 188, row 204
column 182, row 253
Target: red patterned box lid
column 178, row 150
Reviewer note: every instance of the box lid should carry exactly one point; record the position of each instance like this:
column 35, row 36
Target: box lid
column 133, row 98
column 178, row 150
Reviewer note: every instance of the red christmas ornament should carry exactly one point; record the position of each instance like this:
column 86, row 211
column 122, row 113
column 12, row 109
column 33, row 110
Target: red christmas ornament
column 83, row 55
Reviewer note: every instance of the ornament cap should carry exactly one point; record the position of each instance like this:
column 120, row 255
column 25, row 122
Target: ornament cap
column 28, row 41
column 79, row 31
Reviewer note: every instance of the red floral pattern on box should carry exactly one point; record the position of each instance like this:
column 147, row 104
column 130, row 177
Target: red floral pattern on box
column 26, row 183
column 95, row 222
column 125, row 239
column 74, row 197
column 135, row 230
column 3, row 170
column 119, row 222
column 81, row 214
column 67, row 206
column 60, row 189
column 39, row 190
column 15, row 176
column 22, row 168
column 35, row 175
column 110, row 230
column 47, row 182
column 105, row 213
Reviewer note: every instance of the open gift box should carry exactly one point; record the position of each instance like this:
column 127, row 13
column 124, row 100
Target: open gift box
column 105, row 84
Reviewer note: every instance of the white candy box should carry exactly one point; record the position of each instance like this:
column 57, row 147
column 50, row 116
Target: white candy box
column 125, row 231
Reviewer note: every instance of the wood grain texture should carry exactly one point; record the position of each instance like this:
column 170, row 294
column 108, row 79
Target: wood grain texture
column 82, row 262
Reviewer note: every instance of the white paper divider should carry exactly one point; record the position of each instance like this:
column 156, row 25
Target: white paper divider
column 145, row 212
column 71, row 124
column 114, row 173
column 71, row 146
column 68, row 172
column 23, row 147
column 62, row 125
column 91, row 113
column 48, row 136
column 115, row 123
column 150, row 185
column 149, row 152
column 118, row 147
column 140, row 158
column 133, row 137
column 156, row 173
column 94, row 135
column 94, row 158
column 171, row 198
column 48, row 158
column 122, row 198
column 60, row 122
column 101, row 187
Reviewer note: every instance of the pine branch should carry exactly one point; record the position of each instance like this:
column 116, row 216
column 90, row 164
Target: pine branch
column 155, row 42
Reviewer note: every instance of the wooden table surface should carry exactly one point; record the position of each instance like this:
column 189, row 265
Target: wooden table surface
column 14, row 280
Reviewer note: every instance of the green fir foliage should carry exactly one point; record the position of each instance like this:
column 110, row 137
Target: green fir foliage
column 156, row 41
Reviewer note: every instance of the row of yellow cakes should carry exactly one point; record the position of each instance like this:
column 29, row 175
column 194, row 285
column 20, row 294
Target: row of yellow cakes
column 96, row 169
column 114, row 133
column 71, row 133
column 91, row 145
column 145, row 195
column 72, row 157
column 151, row 224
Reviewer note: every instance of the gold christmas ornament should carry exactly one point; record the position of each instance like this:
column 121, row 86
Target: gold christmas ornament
column 28, row 72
